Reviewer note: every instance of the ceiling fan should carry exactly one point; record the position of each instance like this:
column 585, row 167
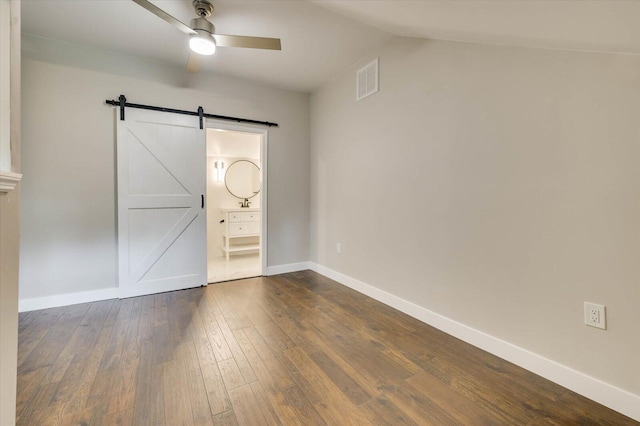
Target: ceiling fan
column 202, row 37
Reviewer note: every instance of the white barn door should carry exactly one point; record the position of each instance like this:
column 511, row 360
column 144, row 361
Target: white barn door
column 161, row 167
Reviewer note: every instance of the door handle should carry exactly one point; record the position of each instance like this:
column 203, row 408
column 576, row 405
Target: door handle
column 202, row 201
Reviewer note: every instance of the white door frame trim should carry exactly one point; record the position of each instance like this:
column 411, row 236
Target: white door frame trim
column 264, row 132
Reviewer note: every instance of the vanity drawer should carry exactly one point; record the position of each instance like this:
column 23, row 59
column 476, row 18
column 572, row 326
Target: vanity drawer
column 250, row 216
column 244, row 216
column 241, row 229
column 235, row 216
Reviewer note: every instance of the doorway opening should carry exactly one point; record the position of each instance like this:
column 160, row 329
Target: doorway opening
column 236, row 237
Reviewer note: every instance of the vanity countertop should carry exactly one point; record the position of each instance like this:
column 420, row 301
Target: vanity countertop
column 241, row 209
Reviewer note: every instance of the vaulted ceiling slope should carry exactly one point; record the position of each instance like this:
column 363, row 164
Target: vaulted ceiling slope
column 591, row 25
column 320, row 38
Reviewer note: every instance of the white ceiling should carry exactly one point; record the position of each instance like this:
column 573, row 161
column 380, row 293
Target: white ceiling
column 316, row 43
column 321, row 38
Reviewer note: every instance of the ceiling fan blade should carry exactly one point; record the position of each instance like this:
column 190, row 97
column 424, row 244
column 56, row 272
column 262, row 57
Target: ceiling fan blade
column 193, row 63
column 165, row 16
column 246, row 41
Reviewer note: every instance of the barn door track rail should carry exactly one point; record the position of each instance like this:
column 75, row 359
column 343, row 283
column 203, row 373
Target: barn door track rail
column 122, row 103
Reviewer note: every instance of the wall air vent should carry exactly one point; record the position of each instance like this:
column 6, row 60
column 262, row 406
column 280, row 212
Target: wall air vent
column 367, row 80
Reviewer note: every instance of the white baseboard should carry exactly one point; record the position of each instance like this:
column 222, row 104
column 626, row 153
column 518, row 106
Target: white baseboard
column 590, row 387
column 33, row 304
column 291, row 267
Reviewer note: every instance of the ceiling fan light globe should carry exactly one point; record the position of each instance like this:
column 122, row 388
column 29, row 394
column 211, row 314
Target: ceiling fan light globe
column 202, row 44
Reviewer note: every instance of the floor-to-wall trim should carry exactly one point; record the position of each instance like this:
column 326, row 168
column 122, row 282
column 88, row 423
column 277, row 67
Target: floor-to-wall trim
column 590, row 387
column 290, row 267
column 33, row 304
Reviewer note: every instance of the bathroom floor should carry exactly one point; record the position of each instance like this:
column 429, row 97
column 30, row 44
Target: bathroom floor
column 238, row 266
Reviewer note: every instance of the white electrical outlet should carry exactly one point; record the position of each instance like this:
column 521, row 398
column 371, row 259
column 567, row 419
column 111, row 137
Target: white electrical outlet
column 595, row 315
column 339, row 248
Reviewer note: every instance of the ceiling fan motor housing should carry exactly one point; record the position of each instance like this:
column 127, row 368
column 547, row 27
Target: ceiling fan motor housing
column 202, row 24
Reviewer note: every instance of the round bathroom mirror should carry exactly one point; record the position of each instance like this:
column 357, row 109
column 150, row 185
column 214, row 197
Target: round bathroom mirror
column 243, row 179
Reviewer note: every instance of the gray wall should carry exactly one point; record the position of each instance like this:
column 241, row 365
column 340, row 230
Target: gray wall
column 68, row 218
column 496, row 186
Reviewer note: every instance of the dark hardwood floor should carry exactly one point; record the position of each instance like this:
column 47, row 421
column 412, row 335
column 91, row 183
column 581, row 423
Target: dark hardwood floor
column 294, row 349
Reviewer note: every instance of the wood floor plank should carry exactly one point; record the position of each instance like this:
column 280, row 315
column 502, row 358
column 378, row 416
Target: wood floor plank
column 88, row 416
column 364, row 379
column 241, row 360
column 73, row 391
column 302, row 406
column 439, row 404
column 269, row 385
column 160, row 310
column 246, row 407
column 381, row 411
column 217, row 296
column 83, row 339
column 321, row 388
column 41, row 325
column 145, row 324
column 543, row 421
column 226, row 418
column 217, row 395
column 122, row 378
column 149, row 401
column 116, row 342
column 216, row 338
column 121, row 418
column 231, row 374
column 299, row 379
column 284, row 310
column 472, row 383
column 360, row 348
column 122, row 392
column 177, row 404
column 342, row 414
column 285, row 410
column 29, row 383
column 275, row 367
column 294, row 349
column 253, row 358
column 37, row 408
column 180, row 316
column 55, row 339
column 332, row 400
column 575, row 409
column 266, row 408
column 195, row 384
column 277, row 339
column 100, row 389
column 235, row 317
column 26, row 318
column 347, row 385
column 98, row 415
column 201, row 341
